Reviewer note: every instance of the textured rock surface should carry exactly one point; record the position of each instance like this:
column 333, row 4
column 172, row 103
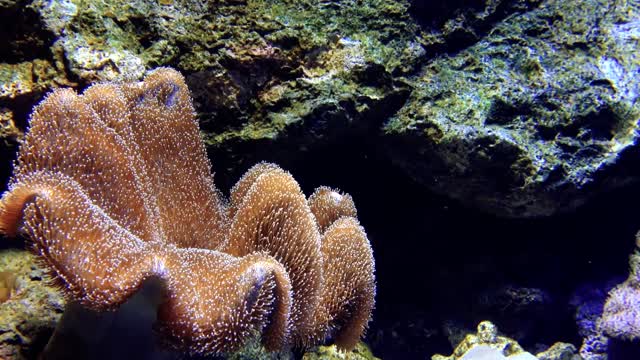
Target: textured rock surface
column 559, row 351
column 461, row 23
column 519, row 107
column 360, row 352
column 29, row 316
column 487, row 344
column 285, row 73
column 253, row 349
column 531, row 119
column 8, row 129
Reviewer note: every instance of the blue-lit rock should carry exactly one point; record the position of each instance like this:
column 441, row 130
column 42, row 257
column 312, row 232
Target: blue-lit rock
column 534, row 118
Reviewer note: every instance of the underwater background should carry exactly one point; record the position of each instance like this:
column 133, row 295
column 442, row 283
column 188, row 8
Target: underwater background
column 490, row 147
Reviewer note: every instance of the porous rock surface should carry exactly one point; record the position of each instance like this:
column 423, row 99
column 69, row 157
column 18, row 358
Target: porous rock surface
column 532, row 119
column 29, row 315
column 518, row 107
column 487, row 344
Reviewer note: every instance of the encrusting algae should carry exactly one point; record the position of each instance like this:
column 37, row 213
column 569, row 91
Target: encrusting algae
column 34, row 306
column 114, row 187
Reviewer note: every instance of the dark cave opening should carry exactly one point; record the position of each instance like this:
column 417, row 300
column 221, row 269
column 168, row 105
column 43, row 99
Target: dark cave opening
column 436, row 258
column 435, row 13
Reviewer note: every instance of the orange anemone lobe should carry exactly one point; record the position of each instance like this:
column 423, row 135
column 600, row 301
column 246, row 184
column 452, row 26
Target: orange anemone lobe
column 114, row 187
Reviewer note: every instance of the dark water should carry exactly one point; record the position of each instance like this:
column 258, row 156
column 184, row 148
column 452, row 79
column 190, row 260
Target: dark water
column 435, row 258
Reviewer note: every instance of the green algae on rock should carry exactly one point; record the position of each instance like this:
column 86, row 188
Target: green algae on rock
column 30, row 314
column 254, row 350
column 25, row 78
column 487, row 344
column 462, row 24
column 532, row 119
column 9, row 132
column 260, row 71
column 360, row 352
column 540, row 92
column 486, row 340
column 320, row 72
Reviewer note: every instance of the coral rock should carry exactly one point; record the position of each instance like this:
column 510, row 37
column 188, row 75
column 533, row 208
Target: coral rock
column 360, row 352
column 114, row 187
column 559, row 351
column 487, row 344
column 29, row 315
